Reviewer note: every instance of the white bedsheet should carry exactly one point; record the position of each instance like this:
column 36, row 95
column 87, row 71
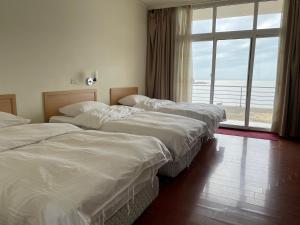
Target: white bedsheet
column 212, row 115
column 50, row 182
column 178, row 133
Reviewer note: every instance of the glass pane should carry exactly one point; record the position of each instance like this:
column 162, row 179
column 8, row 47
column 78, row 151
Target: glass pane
column 235, row 17
column 202, row 65
column 269, row 14
column 202, row 21
column 263, row 84
column 231, row 78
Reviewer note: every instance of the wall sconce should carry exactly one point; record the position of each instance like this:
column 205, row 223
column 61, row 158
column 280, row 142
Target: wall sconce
column 92, row 79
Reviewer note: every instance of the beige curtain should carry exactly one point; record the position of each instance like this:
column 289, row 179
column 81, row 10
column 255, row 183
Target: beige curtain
column 286, row 119
column 160, row 53
column 183, row 59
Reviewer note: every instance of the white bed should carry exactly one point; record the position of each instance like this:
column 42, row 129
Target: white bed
column 53, row 174
column 180, row 134
column 211, row 114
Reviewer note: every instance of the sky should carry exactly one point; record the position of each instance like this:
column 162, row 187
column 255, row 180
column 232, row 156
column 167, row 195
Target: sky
column 233, row 55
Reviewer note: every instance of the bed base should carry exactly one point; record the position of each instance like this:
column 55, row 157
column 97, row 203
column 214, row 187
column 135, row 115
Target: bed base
column 174, row 168
column 133, row 209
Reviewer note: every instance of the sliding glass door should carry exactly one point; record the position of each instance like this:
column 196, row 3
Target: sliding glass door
column 235, row 54
column 231, row 78
column 263, row 82
column 202, row 65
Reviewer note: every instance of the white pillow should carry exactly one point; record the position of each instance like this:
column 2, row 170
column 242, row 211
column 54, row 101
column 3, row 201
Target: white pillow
column 7, row 119
column 91, row 120
column 132, row 100
column 81, row 107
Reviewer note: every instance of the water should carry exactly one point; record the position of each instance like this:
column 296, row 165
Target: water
column 233, row 93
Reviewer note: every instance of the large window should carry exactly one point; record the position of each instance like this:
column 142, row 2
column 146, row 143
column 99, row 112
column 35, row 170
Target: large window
column 235, row 54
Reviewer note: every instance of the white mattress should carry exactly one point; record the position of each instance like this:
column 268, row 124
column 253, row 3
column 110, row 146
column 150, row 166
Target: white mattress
column 90, row 207
column 134, row 208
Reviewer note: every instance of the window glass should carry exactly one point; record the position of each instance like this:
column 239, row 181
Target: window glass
column 269, row 14
column 230, row 89
column 202, row 66
column 264, row 82
column 202, row 21
column 235, row 17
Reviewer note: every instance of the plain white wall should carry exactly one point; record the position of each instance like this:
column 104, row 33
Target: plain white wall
column 45, row 43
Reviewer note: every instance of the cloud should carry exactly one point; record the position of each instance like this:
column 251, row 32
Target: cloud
column 233, row 55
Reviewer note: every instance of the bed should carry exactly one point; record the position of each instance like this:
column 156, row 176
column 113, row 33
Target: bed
column 54, row 174
column 211, row 114
column 182, row 136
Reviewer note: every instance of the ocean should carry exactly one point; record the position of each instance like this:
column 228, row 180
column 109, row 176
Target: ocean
column 233, row 93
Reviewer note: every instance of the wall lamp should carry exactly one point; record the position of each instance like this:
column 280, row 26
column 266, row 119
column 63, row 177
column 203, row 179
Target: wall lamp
column 92, row 79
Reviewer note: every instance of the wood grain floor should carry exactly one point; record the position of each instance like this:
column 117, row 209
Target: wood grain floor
column 234, row 180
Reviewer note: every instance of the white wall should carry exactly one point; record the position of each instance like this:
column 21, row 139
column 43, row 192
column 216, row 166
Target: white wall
column 45, row 43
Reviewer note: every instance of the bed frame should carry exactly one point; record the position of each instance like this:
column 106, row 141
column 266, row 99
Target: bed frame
column 57, row 99
column 8, row 104
column 117, row 93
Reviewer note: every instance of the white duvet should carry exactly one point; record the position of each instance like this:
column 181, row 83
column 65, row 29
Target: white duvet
column 7, row 119
column 49, row 179
column 22, row 135
column 178, row 133
column 212, row 115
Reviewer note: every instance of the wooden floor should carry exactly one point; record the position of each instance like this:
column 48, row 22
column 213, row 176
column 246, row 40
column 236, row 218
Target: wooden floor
column 234, row 180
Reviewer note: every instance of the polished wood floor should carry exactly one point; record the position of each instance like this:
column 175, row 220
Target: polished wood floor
column 234, row 180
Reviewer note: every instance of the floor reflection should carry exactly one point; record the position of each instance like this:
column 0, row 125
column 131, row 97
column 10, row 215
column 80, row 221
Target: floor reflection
column 234, row 180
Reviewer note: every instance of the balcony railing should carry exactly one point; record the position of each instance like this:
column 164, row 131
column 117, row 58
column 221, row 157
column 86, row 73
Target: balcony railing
column 234, row 95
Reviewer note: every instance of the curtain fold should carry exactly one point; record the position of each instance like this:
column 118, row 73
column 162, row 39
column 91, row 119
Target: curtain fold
column 183, row 57
column 160, row 53
column 168, row 72
column 286, row 119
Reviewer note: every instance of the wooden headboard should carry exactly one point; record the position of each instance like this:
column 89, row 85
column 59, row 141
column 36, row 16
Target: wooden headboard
column 8, row 104
column 57, row 99
column 117, row 93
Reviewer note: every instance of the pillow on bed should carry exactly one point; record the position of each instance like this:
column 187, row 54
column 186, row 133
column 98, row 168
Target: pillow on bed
column 92, row 119
column 81, row 107
column 7, row 119
column 132, row 100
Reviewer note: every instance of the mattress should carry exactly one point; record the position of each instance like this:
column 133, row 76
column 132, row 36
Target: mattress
column 173, row 168
column 129, row 210
column 145, row 179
